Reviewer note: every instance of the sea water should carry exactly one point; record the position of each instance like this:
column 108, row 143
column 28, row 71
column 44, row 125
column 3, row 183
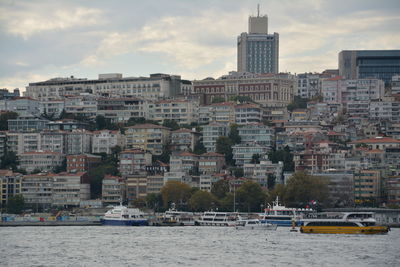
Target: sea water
column 191, row 246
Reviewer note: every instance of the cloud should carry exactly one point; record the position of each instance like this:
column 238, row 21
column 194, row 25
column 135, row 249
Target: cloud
column 28, row 20
column 22, row 79
column 188, row 42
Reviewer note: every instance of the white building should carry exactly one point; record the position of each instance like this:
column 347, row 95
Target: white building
column 180, row 110
column 52, row 107
column 78, row 142
column 54, row 141
column 121, row 109
column 45, row 161
column 248, row 113
column 69, row 189
column 24, row 106
column 256, row 133
column 308, row 85
column 243, row 153
column 104, row 140
column 211, row 133
column 85, row 105
column 108, row 85
column 23, row 142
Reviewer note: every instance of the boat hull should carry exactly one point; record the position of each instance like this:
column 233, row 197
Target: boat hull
column 368, row 230
column 211, row 223
column 124, row 222
column 271, row 227
column 285, row 223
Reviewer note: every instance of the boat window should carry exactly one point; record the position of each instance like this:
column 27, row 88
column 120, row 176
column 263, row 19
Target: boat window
column 251, row 222
column 331, row 224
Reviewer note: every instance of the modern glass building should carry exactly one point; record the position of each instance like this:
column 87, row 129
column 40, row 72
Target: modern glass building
column 360, row 64
column 258, row 51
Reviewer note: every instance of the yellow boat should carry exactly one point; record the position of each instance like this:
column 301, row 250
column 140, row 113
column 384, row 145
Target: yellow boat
column 346, row 223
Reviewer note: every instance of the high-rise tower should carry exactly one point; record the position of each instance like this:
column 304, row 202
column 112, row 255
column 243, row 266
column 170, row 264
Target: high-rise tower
column 258, row 51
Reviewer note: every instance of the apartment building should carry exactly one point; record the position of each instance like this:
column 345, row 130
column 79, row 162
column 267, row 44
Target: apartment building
column 82, row 162
column 37, row 190
column 134, row 161
column 113, row 190
column 180, row 110
column 184, row 139
column 211, row 133
column 10, row 185
column 256, row 133
column 69, row 189
column 44, row 161
column 121, row 109
column 78, row 142
column 83, row 105
column 104, row 141
column 149, row 137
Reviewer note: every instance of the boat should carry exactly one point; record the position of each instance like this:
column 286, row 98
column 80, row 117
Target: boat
column 172, row 217
column 343, row 223
column 214, row 218
column 281, row 215
column 121, row 215
column 254, row 224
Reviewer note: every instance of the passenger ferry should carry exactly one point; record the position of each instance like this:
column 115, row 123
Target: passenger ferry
column 172, row 217
column 282, row 216
column 121, row 215
column 213, row 218
column 343, row 223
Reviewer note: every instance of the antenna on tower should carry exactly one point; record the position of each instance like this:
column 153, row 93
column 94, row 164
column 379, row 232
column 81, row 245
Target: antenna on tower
column 258, row 10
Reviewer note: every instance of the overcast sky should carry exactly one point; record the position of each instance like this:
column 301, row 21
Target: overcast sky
column 42, row 39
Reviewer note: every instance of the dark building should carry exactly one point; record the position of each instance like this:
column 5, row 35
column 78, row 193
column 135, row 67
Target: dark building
column 360, row 64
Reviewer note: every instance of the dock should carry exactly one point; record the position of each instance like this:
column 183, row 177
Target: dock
column 49, row 223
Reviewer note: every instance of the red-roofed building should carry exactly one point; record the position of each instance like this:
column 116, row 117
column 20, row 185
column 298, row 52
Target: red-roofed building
column 44, row 161
column 378, row 142
column 184, row 140
column 113, row 190
column 211, row 162
column 149, row 137
column 134, row 161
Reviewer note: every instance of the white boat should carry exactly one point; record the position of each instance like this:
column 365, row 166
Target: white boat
column 214, row 218
column 121, row 215
column 281, row 215
column 255, row 224
column 172, row 217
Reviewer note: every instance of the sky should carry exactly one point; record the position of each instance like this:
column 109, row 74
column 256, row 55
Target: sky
column 43, row 39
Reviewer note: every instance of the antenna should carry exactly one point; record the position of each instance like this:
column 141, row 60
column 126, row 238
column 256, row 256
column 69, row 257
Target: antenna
column 258, row 10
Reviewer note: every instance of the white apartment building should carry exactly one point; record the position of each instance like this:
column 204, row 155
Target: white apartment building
column 149, row 137
column 256, row 133
column 107, row 85
column 69, row 189
column 52, row 107
column 219, row 113
column 37, row 190
column 243, row 153
column 78, row 142
column 388, row 109
column 395, row 84
column 23, row 142
column 44, row 161
column 211, row 132
column 180, row 110
column 121, row 109
column 248, row 113
column 104, row 140
column 308, row 85
column 54, row 141
column 24, row 106
column 84, row 104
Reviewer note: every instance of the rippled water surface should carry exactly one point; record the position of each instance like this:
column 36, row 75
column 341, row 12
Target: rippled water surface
column 191, row 246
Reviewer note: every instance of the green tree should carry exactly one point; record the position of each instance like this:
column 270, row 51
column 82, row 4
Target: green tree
column 9, row 160
column 175, row 192
column 224, row 146
column 226, row 203
column 172, row 124
column 16, row 204
column 250, row 196
column 62, row 167
column 234, row 134
column 303, row 188
column 165, row 155
column 101, row 122
column 241, row 99
column 297, row 103
column 237, row 172
column 108, row 165
column 218, row 99
column 202, row 201
column 282, row 155
column 154, row 201
column 4, row 117
column 220, row 189
column 199, row 148
column 279, row 191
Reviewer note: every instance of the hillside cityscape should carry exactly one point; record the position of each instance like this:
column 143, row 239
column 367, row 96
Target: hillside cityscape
column 230, row 143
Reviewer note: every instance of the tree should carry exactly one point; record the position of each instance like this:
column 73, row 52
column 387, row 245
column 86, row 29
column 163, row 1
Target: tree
column 175, row 192
column 255, row 159
column 15, row 204
column 202, row 201
column 218, row 99
column 234, row 134
column 165, row 155
column 279, row 190
column 224, row 146
column 9, row 160
column 237, row 172
column 199, row 148
column 250, row 196
column 62, row 167
column 154, row 201
column 297, row 103
column 101, row 122
column 172, row 124
column 282, row 155
column 302, row 189
column 220, row 189
column 241, row 99
column 4, row 117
